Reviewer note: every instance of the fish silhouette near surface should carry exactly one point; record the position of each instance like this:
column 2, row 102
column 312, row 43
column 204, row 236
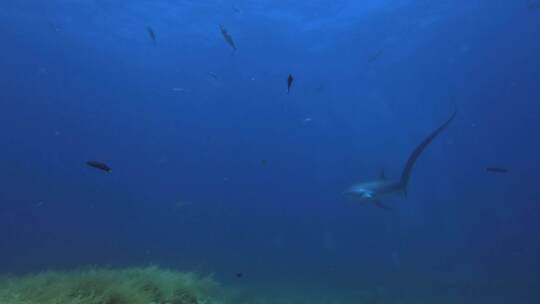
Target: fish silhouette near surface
column 290, row 81
column 152, row 34
column 99, row 165
column 54, row 27
column 534, row 5
column 375, row 56
column 228, row 38
column 496, row 170
column 373, row 191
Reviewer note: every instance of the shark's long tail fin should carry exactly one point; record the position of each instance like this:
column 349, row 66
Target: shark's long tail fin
column 404, row 181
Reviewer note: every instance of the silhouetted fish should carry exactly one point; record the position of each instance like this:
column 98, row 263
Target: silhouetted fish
column 375, row 56
column 496, row 170
column 534, row 5
column 54, row 27
column 239, row 274
column 152, row 34
column 290, row 80
column 99, row 165
column 227, row 37
column 373, row 190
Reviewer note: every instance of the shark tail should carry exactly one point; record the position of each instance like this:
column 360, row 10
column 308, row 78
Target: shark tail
column 404, row 181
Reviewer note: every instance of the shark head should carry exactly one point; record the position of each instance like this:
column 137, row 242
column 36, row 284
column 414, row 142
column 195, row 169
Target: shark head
column 374, row 191
column 361, row 193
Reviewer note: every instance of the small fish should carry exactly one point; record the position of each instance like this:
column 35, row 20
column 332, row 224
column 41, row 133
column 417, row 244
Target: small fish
column 534, row 5
column 375, row 56
column 99, row 165
column 182, row 204
column 227, row 37
column 152, row 34
column 54, row 27
column 290, row 80
column 496, row 170
column 264, row 162
column 213, row 75
column 239, row 275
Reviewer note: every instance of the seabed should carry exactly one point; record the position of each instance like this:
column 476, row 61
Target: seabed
column 150, row 285
column 154, row 285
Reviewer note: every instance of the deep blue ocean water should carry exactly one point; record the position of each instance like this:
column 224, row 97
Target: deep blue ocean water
column 217, row 170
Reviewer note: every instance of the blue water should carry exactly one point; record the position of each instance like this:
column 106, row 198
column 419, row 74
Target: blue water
column 217, row 170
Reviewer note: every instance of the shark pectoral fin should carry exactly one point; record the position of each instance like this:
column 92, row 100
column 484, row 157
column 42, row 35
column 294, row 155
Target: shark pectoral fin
column 382, row 206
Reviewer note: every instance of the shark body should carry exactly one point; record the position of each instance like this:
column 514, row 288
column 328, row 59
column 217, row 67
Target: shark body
column 374, row 191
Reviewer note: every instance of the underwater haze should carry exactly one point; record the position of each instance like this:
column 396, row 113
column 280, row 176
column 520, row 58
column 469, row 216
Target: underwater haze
column 204, row 158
